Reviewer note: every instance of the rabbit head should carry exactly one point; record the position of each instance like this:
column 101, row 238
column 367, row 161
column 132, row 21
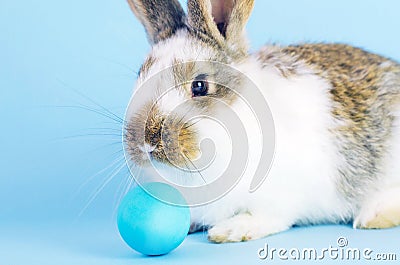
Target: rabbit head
column 183, row 79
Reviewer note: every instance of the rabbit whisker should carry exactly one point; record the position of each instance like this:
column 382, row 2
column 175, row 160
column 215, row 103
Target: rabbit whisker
column 109, row 178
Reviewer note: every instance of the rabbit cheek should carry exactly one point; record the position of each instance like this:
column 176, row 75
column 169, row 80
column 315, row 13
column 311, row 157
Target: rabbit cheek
column 178, row 142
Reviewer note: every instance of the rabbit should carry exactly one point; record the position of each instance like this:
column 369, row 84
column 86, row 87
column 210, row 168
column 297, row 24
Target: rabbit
column 336, row 111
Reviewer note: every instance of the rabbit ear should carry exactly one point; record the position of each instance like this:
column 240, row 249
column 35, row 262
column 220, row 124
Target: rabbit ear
column 222, row 20
column 161, row 19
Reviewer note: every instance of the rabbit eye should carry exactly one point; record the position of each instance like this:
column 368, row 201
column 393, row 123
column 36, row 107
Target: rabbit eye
column 199, row 88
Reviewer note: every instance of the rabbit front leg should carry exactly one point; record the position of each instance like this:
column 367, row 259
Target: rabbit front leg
column 244, row 227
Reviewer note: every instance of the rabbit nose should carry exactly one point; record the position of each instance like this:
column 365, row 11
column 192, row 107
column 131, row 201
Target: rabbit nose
column 155, row 140
column 153, row 134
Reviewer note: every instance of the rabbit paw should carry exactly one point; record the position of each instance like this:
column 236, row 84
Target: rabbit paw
column 382, row 212
column 242, row 227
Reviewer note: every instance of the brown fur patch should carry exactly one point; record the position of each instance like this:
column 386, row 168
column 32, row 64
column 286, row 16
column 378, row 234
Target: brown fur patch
column 161, row 19
column 365, row 88
column 148, row 63
column 355, row 75
column 184, row 73
column 272, row 56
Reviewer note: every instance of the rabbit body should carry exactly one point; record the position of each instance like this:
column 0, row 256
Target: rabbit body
column 336, row 111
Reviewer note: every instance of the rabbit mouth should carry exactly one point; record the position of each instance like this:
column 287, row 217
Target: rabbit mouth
column 175, row 153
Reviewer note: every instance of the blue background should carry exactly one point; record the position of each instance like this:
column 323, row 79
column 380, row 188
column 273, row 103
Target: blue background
column 60, row 61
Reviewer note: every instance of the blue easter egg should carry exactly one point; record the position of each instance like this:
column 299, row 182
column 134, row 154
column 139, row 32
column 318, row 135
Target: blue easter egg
column 152, row 220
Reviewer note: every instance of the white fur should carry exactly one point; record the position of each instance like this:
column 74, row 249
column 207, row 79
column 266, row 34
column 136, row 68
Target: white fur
column 180, row 46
